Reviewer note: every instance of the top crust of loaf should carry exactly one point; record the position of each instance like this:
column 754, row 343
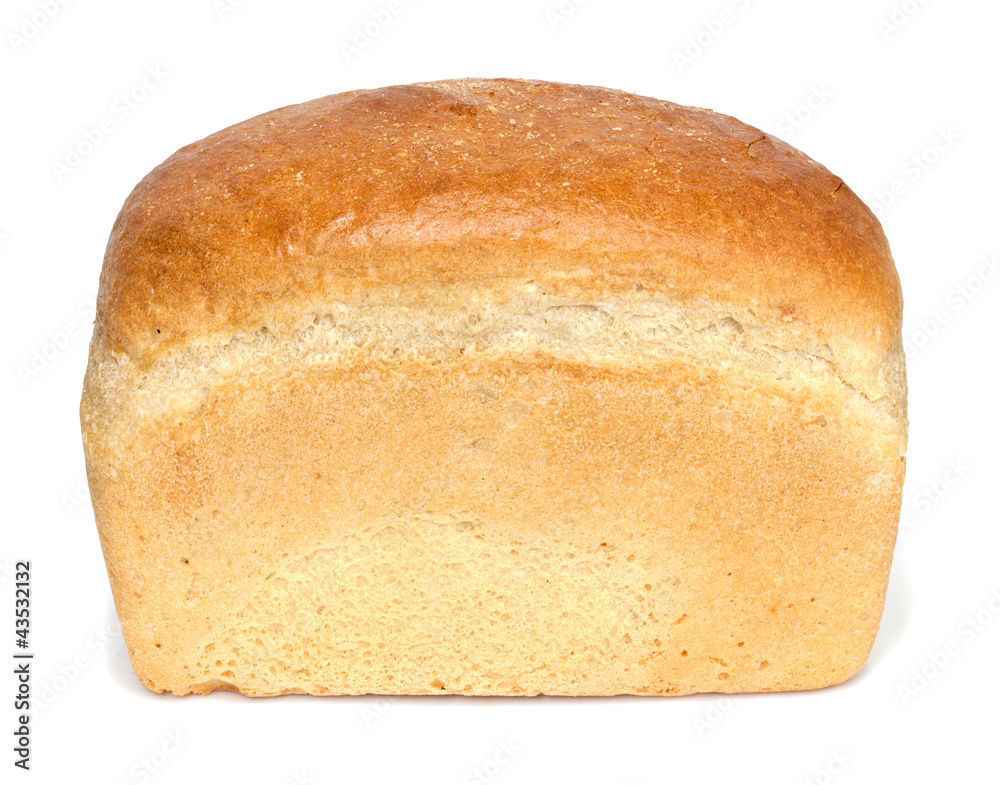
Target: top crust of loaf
column 584, row 191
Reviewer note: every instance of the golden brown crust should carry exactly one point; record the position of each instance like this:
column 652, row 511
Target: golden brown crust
column 592, row 190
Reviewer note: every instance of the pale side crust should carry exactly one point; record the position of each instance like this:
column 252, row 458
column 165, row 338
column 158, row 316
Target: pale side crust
column 507, row 524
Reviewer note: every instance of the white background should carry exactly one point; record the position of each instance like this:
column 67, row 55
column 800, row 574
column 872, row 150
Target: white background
column 906, row 98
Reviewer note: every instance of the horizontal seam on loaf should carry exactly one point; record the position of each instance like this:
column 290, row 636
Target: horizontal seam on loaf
column 317, row 339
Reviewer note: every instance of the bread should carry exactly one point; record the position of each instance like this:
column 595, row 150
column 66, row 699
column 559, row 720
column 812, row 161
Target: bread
column 495, row 387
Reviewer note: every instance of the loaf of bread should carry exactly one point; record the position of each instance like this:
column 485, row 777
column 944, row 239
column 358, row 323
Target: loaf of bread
column 495, row 387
